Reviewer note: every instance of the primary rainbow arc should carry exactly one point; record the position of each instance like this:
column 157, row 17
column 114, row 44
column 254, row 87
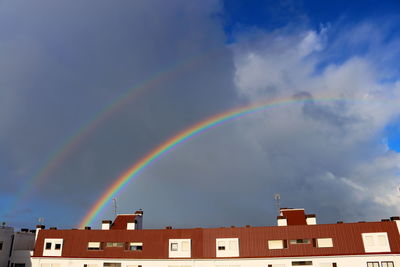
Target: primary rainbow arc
column 180, row 138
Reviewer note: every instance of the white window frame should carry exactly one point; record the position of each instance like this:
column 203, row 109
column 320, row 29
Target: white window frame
column 372, row 242
column 230, row 251
column 325, row 242
column 179, row 252
column 53, row 252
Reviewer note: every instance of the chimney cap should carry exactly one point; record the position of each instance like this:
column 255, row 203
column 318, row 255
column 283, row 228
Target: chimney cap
column 106, row 221
column 53, row 228
column 168, row 227
column 281, row 217
column 88, row 228
column 139, row 212
column 385, row 220
column 311, row 216
column 40, row 226
column 395, row 218
column 340, row 222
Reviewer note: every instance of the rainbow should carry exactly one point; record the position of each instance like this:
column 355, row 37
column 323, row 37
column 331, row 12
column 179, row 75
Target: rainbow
column 180, row 138
column 60, row 154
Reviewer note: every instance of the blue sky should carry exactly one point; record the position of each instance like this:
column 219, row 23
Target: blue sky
column 63, row 62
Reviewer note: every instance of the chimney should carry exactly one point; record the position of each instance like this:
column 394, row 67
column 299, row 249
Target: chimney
column 282, row 221
column 105, row 225
column 311, row 219
column 139, row 212
column 38, row 228
column 139, row 219
column 88, row 228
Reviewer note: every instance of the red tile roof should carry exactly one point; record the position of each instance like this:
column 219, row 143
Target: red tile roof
column 120, row 223
column 253, row 241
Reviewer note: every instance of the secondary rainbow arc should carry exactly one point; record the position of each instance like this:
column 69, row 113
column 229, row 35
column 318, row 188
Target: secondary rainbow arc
column 182, row 137
column 60, row 154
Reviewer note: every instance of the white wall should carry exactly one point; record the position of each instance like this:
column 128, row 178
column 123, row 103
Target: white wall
column 348, row 261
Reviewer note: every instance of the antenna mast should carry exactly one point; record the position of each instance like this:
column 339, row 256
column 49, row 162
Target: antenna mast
column 115, row 207
column 277, row 198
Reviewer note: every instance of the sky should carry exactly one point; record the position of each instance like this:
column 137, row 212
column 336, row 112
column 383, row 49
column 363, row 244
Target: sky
column 88, row 88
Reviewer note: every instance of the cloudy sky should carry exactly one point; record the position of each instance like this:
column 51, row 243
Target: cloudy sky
column 88, row 88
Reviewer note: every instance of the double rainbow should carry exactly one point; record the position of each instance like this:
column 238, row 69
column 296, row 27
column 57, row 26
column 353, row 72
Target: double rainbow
column 181, row 137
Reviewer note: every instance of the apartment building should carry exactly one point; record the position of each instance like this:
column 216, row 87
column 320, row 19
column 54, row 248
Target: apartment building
column 16, row 247
column 297, row 240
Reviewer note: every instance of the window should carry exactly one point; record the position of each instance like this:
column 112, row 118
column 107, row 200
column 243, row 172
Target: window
column 114, row 244
column 301, row 263
column 227, row 247
column 277, row 244
column 136, row 246
column 19, row 264
column 112, row 264
column 174, row 246
column 324, row 242
column 52, row 247
column 373, row 264
column 376, row 242
column 180, row 248
column 130, row 226
column 185, row 246
column 300, row 241
column 1, row 245
column 387, row 264
column 94, row 245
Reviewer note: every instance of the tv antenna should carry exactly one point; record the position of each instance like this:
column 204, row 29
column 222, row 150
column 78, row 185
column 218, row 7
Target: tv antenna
column 115, row 207
column 41, row 220
column 277, row 198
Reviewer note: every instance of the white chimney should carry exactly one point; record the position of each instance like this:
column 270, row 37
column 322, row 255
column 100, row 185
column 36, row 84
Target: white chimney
column 282, row 221
column 105, row 225
column 38, row 228
column 311, row 219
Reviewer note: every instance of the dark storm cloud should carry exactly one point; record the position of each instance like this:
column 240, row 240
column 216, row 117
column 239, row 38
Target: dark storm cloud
column 63, row 62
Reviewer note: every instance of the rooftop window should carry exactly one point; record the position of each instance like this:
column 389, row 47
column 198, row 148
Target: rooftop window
column 136, row 246
column 300, row 241
column 114, row 244
column 301, row 263
column 94, row 246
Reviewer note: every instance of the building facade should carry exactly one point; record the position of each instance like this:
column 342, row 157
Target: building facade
column 16, row 247
column 297, row 241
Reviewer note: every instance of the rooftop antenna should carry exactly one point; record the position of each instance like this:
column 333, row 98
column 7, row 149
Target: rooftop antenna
column 277, row 198
column 41, row 220
column 115, row 207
